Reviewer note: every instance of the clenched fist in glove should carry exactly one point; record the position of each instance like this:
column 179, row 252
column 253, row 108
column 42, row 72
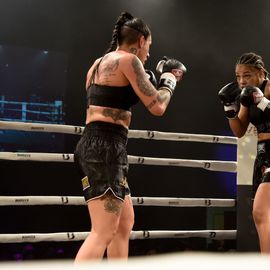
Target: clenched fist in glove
column 252, row 95
column 229, row 96
column 151, row 76
column 171, row 71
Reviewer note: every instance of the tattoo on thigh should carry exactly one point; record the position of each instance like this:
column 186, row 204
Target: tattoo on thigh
column 112, row 205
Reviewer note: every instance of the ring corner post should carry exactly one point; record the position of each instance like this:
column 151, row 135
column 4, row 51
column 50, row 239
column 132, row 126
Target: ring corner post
column 247, row 238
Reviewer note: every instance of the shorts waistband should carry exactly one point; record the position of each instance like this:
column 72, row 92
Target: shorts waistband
column 106, row 129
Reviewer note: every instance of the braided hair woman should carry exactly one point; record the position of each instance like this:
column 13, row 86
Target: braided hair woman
column 252, row 89
column 115, row 83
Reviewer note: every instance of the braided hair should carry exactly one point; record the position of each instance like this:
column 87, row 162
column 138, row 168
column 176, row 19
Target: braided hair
column 127, row 29
column 253, row 60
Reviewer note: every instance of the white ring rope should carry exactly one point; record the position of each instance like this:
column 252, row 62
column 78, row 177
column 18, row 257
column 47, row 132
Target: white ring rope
column 227, row 166
column 137, row 201
column 46, row 157
column 138, row 134
column 38, row 127
column 211, row 234
column 78, row 236
column 212, row 165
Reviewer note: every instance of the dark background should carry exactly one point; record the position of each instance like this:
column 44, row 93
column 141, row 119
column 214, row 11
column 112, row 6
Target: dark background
column 207, row 36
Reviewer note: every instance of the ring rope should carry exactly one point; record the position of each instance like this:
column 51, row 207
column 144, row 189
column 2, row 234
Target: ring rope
column 71, row 236
column 212, row 165
column 78, row 236
column 135, row 134
column 137, row 201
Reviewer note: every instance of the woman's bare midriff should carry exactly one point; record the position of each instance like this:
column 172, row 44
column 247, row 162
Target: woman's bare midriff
column 263, row 137
column 110, row 115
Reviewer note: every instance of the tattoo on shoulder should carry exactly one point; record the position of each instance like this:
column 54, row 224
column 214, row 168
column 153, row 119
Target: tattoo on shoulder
column 111, row 66
column 145, row 86
column 106, row 72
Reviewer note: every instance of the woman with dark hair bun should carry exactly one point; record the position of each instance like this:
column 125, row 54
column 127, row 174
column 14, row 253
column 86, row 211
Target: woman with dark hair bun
column 115, row 83
column 248, row 101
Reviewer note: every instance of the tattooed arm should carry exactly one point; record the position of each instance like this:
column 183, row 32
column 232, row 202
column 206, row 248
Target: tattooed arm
column 156, row 101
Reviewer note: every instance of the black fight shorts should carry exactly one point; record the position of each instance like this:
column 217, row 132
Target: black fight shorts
column 101, row 155
column 262, row 160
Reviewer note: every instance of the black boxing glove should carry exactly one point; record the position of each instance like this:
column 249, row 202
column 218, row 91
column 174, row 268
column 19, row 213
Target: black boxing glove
column 171, row 71
column 151, row 76
column 252, row 95
column 229, row 96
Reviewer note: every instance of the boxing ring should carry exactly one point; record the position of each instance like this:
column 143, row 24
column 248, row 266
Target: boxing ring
column 244, row 146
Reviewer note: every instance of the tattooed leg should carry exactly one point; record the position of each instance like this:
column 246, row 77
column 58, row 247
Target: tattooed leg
column 105, row 213
column 112, row 204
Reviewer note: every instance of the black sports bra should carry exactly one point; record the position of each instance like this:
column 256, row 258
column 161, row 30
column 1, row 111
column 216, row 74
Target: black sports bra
column 257, row 116
column 119, row 97
column 111, row 96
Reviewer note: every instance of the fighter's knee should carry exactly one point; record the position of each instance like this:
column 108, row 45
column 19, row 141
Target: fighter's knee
column 259, row 216
column 107, row 235
column 129, row 225
column 126, row 227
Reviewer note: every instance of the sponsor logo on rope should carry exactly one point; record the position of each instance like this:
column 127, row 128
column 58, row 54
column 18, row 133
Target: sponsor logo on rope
column 183, row 137
column 140, row 160
column 146, row 234
column 66, row 157
column 173, row 163
column 140, row 201
column 70, row 235
column 150, row 134
column 28, row 237
column 215, row 139
column 23, row 155
column 64, row 199
column 173, row 203
column 212, row 234
column 179, row 234
column 207, row 165
column 207, row 202
column 37, row 128
column 21, row 200
column 78, row 130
